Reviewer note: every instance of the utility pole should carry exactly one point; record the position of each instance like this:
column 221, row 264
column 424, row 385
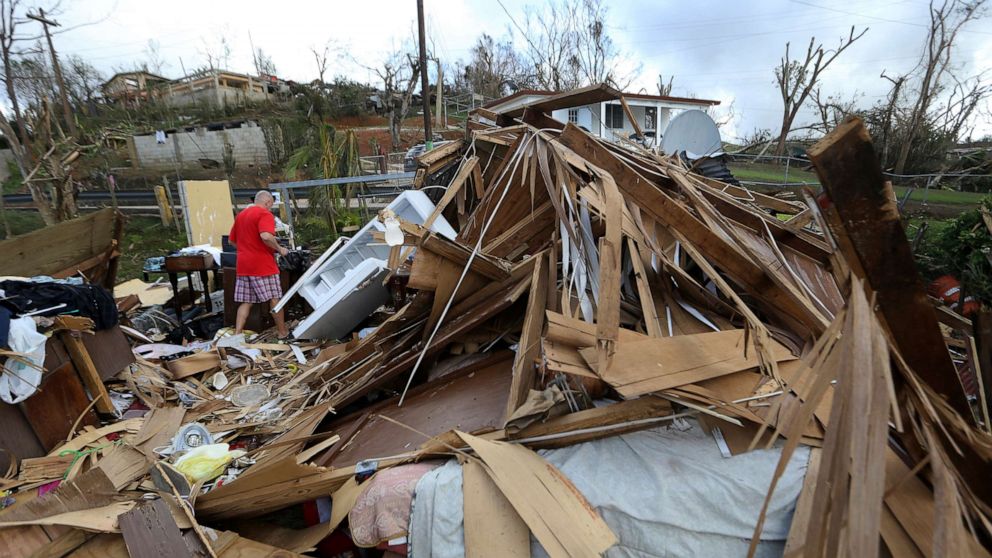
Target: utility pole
column 70, row 121
column 425, row 92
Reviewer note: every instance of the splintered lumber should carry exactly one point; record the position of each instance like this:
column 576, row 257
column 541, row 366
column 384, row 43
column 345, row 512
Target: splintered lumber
column 870, row 223
column 438, row 157
column 530, row 335
column 554, row 510
column 656, row 364
column 44, row 468
column 870, row 235
column 664, row 209
column 90, row 490
column 123, row 465
column 493, row 529
column 592, row 424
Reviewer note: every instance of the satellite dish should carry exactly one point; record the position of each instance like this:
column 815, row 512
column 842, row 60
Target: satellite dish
column 694, row 132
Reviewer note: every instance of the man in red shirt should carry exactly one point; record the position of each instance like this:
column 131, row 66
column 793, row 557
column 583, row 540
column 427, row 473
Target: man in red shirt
column 254, row 236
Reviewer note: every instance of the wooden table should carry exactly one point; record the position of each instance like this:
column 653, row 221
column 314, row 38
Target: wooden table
column 174, row 265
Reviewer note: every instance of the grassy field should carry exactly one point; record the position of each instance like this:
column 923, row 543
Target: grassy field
column 144, row 237
column 763, row 172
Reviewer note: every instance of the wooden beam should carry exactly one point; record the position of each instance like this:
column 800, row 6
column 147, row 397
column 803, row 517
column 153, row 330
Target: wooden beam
column 150, row 532
column 630, row 116
column 869, row 232
column 848, row 168
column 529, row 345
column 87, row 370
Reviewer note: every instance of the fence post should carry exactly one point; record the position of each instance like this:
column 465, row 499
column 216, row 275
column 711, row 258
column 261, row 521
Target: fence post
column 787, row 161
column 164, row 207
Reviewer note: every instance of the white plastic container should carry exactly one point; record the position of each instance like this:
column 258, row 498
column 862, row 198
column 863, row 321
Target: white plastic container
column 347, row 286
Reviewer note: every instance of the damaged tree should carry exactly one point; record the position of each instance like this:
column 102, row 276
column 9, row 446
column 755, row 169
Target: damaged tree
column 399, row 75
column 946, row 21
column 797, row 80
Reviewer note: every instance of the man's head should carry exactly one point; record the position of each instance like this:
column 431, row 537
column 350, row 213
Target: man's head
column 265, row 199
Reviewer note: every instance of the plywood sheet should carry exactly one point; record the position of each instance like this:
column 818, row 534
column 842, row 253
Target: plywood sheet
column 55, row 407
column 149, row 294
column 655, row 364
column 474, row 401
column 208, row 210
column 109, row 350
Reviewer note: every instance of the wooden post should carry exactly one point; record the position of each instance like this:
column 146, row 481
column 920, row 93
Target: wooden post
column 164, row 207
column 425, row 91
column 168, row 196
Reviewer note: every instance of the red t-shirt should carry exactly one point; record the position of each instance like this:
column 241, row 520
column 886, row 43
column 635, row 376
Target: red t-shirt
column 254, row 257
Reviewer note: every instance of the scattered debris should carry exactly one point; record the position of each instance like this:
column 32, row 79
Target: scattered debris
column 560, row 293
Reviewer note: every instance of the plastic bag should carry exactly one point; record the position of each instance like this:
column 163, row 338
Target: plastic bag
column 20, row 380
column 206, row 462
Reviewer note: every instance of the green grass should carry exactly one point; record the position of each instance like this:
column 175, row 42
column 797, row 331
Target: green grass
column 23, row 221
column 144, row 237
column 947, row 197
column 764, row 172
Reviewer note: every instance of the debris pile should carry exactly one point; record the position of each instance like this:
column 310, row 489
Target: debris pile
column 591, row 293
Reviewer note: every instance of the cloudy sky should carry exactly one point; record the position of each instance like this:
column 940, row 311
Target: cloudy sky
column 722, row 50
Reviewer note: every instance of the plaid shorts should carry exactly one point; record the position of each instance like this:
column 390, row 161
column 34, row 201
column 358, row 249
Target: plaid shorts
column 257, row 288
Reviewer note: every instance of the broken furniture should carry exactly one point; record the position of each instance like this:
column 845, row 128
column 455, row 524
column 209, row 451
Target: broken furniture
column 345, row 286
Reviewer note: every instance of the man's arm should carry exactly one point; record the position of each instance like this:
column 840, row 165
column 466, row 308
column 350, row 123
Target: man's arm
column 270, row 240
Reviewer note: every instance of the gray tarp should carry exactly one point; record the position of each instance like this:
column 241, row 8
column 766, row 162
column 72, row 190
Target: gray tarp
column 664, row 492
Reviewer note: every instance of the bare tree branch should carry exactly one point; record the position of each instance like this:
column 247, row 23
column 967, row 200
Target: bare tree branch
column 796, row 80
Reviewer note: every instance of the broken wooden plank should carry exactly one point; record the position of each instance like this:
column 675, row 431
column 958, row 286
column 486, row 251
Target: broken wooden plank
column 664, row 209
column 87, row 370
column 848, row 168
column 530, row 336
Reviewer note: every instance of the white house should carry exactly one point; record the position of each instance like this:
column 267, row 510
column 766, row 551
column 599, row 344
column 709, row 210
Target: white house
column 607, row 119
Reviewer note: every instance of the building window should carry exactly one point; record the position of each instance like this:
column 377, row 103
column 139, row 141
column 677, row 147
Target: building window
column 614, row 116
column 573, row 115
column 649, row 117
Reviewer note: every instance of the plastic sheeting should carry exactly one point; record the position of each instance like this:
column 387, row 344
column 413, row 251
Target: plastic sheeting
column 665, row 492
column 19, row 379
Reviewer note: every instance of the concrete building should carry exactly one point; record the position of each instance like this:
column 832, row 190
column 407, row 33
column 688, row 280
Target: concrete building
column 607, row 119
column 201, row 146
column 217, row 88
column 130, row 89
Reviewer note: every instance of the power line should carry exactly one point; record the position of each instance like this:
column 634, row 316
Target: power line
column 517, row 25
column 878, row 18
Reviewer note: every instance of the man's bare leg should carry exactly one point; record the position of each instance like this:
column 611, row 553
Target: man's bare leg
column 280, row 321
column 244, row 309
